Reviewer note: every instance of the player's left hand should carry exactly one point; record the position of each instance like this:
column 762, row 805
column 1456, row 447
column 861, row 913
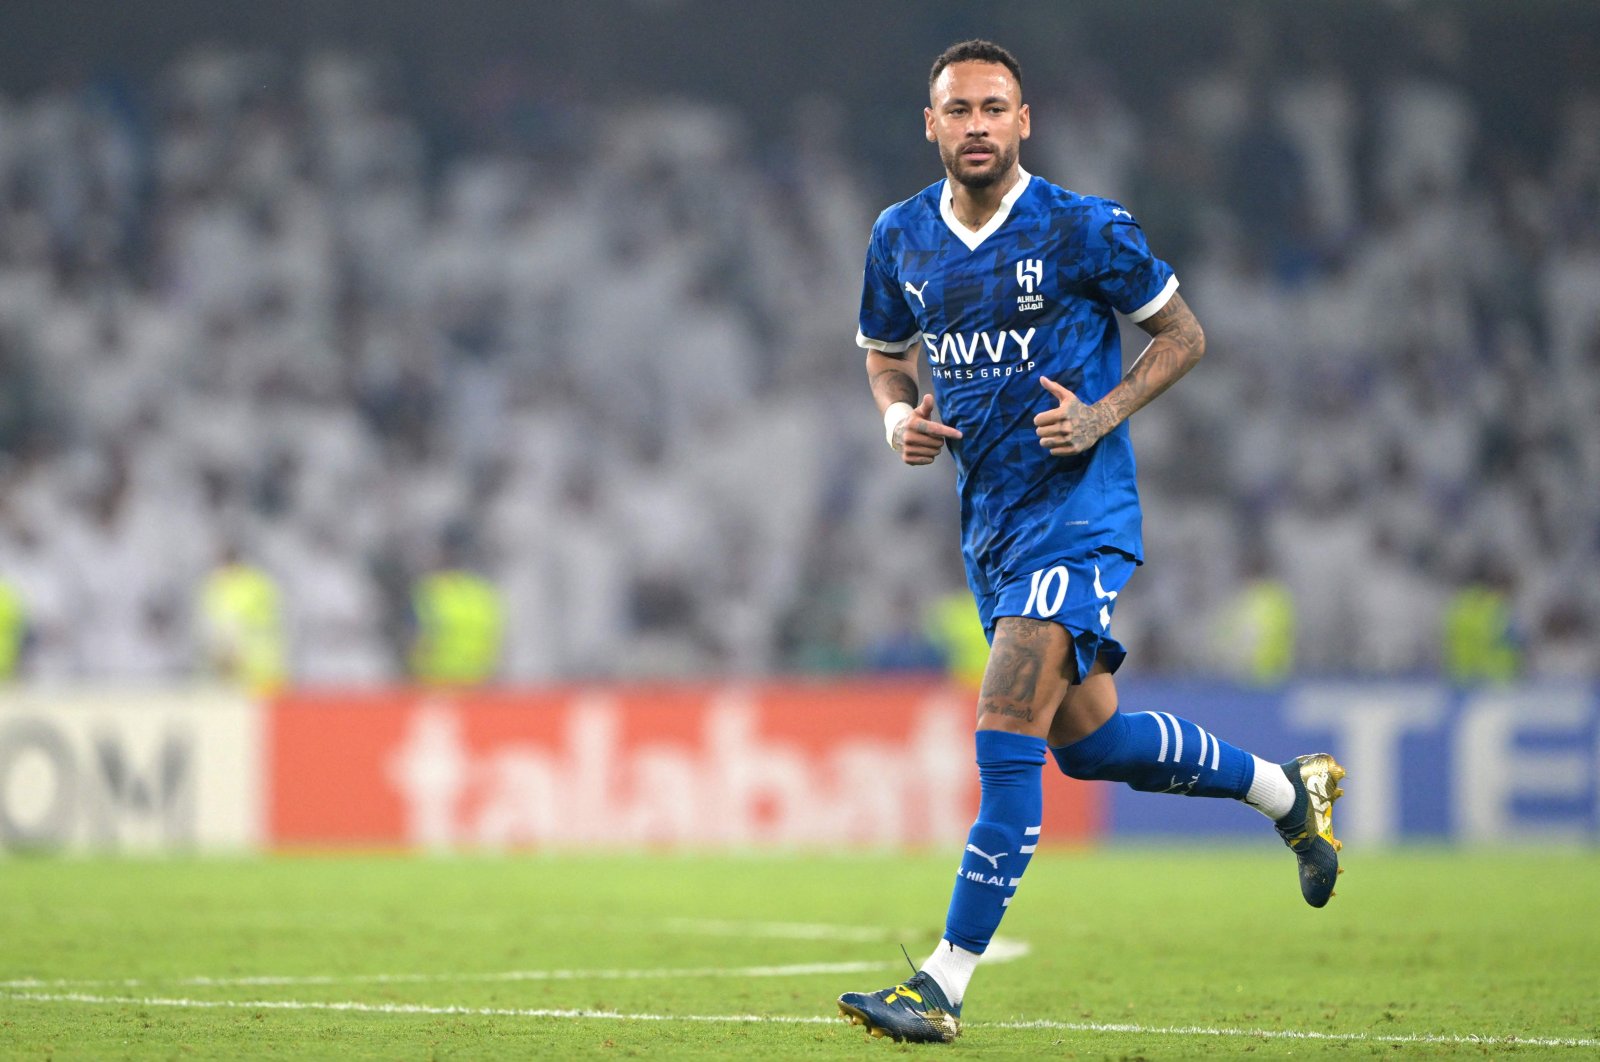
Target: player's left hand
column 1073, row 427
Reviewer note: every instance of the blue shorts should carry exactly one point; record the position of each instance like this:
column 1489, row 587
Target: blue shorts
column 1076, row 592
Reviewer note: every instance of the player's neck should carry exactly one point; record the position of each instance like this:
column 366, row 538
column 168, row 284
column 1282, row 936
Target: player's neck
column 973, row 207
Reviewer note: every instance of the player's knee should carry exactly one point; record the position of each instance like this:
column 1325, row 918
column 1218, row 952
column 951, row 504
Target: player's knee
column 1084, row 769
column 1098, row 757
column 1007, row 760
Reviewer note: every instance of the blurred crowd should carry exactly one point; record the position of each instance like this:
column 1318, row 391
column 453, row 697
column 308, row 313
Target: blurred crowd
column 255, row 316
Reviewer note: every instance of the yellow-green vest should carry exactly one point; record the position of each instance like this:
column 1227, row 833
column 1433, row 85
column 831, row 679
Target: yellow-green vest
column 1478, row 641
column 460, row 625
column 954, row 626
column 13, row 631
column 241, row 604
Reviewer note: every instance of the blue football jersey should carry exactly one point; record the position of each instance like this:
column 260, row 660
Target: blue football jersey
column 1031, row 294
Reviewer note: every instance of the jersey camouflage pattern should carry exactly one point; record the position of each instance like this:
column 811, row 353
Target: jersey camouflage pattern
column 1031, row 294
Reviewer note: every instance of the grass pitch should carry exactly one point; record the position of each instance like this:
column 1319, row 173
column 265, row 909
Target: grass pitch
column 1129, row 953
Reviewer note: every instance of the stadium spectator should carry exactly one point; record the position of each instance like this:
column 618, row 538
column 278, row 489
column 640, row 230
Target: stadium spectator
column 242, row 627
column 1481, row 640
column 1254, row 634
column 13, row 631
column 460, row 621
column 954, row 626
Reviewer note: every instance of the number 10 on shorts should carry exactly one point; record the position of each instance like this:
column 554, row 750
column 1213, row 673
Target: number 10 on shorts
column 1048, row 592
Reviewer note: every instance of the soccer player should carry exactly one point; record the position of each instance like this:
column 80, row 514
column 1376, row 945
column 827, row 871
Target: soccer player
column 1007, row 286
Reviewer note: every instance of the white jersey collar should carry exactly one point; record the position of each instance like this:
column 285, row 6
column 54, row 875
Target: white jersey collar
column 968, row 236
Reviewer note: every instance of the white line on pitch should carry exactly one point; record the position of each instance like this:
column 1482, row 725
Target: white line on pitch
column 385, row 1008
column 792, row 970
column 1000, row 950
column 1292, row 1034
column 517, row 1012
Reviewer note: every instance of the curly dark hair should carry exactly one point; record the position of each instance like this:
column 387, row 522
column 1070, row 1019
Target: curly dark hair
column 975, row 51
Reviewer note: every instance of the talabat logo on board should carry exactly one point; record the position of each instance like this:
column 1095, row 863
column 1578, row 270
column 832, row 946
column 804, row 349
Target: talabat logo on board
column 726, row 780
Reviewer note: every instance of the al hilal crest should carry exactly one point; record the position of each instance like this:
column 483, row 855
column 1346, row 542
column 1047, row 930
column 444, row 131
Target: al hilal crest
column 1030, row 275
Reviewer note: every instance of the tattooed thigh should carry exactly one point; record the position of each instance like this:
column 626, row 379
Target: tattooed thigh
column 1023, row 682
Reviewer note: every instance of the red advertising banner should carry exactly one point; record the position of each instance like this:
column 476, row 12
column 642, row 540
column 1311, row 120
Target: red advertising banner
column 792, row 764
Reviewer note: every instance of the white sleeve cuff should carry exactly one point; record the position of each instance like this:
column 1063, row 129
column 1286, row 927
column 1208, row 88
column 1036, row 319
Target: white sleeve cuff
column 1154, row 304
column 893, row 348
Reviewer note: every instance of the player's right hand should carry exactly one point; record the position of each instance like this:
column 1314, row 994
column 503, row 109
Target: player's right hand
column 919, row 438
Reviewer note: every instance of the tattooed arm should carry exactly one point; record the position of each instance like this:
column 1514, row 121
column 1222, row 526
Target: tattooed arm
column 1177, row 343
column 893, row 378
column 916, row 436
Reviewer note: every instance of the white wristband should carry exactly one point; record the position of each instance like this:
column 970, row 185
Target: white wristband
column 893, row 417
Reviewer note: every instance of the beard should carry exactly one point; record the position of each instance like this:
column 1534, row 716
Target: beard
column 1004, row 159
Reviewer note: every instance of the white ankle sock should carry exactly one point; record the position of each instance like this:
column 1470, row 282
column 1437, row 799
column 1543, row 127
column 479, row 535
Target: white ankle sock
column 1270, row 790
column 951, row 968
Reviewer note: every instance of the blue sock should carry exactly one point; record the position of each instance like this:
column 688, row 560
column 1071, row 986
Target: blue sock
column 1157, row 752
column 1001, row 842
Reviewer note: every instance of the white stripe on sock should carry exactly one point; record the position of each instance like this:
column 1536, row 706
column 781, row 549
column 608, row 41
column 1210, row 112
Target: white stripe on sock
column 1177, row 737
column 1025, row 849
column 1161, row 757
column 1015, row 882
column 1215, row 752
column 1203, row 735
column 1033, row 831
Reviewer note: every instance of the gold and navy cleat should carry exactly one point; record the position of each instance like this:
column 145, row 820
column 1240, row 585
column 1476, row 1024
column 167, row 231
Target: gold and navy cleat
column 915, row 1012
column 1308, row 828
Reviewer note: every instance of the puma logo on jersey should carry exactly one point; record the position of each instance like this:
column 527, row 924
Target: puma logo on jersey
column 994, row 860
column 1118, row 212
column 918, row 292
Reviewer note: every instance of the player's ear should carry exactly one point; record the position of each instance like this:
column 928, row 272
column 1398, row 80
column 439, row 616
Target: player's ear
column 1024, row 123
column 927, row 124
